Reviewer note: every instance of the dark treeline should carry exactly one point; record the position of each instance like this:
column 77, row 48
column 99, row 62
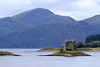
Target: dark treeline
column 91, row 41
column 92, row 38
column 89, row 45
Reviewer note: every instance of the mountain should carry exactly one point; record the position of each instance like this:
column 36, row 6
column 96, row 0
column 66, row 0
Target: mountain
column 48, row 35
column 91, row 25
column 40, row 16
column 8, row 25
column 30, row 19
column 51, row 34
column 40, row 28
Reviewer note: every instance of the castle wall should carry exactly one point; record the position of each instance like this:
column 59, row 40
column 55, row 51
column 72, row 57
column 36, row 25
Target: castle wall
column 69, row 45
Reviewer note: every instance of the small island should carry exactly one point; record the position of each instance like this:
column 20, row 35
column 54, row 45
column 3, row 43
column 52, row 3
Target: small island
column 68, row 49
column 68, row 54
column 5, row 53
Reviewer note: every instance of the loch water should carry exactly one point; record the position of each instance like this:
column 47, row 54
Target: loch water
column 30, row 58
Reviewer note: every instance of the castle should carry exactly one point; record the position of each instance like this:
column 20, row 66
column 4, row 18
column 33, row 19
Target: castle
column 69, row 45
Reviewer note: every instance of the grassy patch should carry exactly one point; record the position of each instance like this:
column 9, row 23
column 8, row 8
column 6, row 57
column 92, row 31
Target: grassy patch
column 73, row 53
column 5, row 53
column 68, row 52
column 89, row 49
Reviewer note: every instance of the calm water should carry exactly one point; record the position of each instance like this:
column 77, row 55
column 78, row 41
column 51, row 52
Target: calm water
column 31, row 59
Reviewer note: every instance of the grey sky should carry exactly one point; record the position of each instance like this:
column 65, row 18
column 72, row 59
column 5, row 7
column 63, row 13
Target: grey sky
column 77, row 9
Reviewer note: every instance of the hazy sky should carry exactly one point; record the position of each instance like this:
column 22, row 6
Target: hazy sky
column 77, row 9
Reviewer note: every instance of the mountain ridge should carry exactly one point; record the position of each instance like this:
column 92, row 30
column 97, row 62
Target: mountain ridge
column 29, row 19
column 46, row 31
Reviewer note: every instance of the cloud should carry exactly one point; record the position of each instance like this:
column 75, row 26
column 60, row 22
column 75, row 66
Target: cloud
column 78, row 9
column 43, row 1
column 12, row 7
column 84, row 3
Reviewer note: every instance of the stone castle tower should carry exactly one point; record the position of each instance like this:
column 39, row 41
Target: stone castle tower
column 69, row 45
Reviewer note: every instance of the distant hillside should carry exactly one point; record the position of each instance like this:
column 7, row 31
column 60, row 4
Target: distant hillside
column 39, row 28
column 29, row 19
column 48, row 35
column 8, row 25
column 91, row 25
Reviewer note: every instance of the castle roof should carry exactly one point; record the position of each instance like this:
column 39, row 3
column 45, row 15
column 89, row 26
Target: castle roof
column 71, row 40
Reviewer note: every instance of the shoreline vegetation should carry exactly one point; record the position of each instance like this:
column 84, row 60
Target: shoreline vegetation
column 65, row 53
column 5, row 53
column 78, row 49
column 68, row 54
